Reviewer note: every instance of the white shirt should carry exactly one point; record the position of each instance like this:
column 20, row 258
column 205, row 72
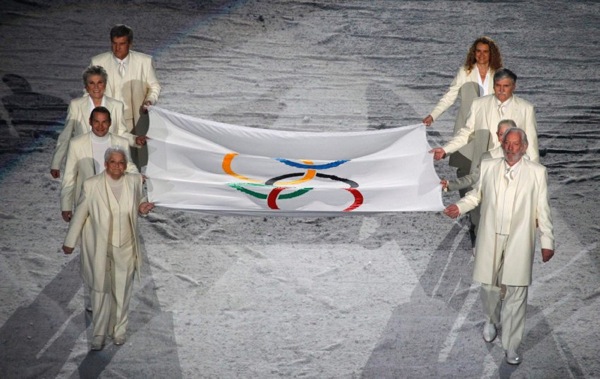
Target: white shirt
column 483, row 86
column 92, row 106
column 99, row 146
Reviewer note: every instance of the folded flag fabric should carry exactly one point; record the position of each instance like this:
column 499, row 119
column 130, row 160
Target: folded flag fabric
column 220, row 168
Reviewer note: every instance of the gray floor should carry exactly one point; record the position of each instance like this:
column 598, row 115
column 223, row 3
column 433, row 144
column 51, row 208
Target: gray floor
column 387, row 296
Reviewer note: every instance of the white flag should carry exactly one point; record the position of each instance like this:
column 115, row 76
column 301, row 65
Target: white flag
column 228, row 169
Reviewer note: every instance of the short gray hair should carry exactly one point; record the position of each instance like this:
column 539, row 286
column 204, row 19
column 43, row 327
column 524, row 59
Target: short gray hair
column 112, row 150
column 94, row 70
column 508, row 122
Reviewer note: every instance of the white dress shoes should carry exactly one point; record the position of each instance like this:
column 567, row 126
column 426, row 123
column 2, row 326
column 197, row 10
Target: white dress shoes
column 489, row 331
column 512, row 357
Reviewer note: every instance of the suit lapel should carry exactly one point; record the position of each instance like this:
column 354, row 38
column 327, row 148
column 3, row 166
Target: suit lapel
column 490, row 120
column 89, row 153
column 497, row 177
column 103, row 190
column 112, row 201
column 513, row 113
column 472, row 77
column 83, row 105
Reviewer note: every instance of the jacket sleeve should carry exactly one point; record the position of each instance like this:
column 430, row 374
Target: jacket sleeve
column 81, row 214
column 461, row 138
column 131, row 167
column 465, row 181
column 473, row 197
column 153, row 90
column 121, row 129
column 544, row 216
column 468, row 180
column 450, row 96
column 531, row 131
column 67, row 186
column 63, row 139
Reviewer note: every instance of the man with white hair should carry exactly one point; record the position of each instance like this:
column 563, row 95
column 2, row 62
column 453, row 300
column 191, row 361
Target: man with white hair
column 513, row 195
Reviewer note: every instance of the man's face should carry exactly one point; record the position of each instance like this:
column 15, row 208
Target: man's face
column 120, row 47
column 503, row 89
column 482, row 54
column 100, row 123
column 513, row 147
column 95, row 86
column 115, row 165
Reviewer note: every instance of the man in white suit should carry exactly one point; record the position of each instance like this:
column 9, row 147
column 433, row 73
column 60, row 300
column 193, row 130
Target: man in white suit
column 467, row 181
column 85, row 158
column 513, row 195
column 484, row 116
column 78, row 115
column 132, row 80
column 109, row 204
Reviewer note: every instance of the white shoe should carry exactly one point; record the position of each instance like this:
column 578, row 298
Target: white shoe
column 119, row 340
column 489, row 331
column 512, row 357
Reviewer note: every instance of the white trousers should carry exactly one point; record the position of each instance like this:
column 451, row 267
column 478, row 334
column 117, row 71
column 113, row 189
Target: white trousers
column 111, row 307
column 510, row 312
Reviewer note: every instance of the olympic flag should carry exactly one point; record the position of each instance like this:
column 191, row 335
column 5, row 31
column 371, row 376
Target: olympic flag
column 228, row 169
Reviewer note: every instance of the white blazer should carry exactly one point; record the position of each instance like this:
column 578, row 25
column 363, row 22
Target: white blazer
column 92, row 221
column 466, row 86
column 139, row 84
column 530, row 205
column 80, row 166
column 482, row 124
column 78, row 122
column 464, row 82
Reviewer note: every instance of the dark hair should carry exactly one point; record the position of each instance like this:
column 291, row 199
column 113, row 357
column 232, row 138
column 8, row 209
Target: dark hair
column 94, row 70
column 495, row 56
column 121, row 30
column 505, row 73
column 100, row 109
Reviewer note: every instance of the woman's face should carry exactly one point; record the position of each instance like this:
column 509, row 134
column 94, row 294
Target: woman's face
column 95, row 86
column 482, row 53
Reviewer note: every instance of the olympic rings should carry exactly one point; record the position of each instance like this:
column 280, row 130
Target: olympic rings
column 280, row 185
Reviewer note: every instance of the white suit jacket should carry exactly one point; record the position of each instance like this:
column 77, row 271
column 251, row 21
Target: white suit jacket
column 468, row 180
column 462, row 84
column 530, row 204
column 93, row 212
column 138, row 85
column 80, row 166
column 482, row 124
column 466, row 86
column 78, row 122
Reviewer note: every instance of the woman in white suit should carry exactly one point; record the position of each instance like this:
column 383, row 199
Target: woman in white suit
column 474, row 79
column 78, row 115
column 109, row 206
